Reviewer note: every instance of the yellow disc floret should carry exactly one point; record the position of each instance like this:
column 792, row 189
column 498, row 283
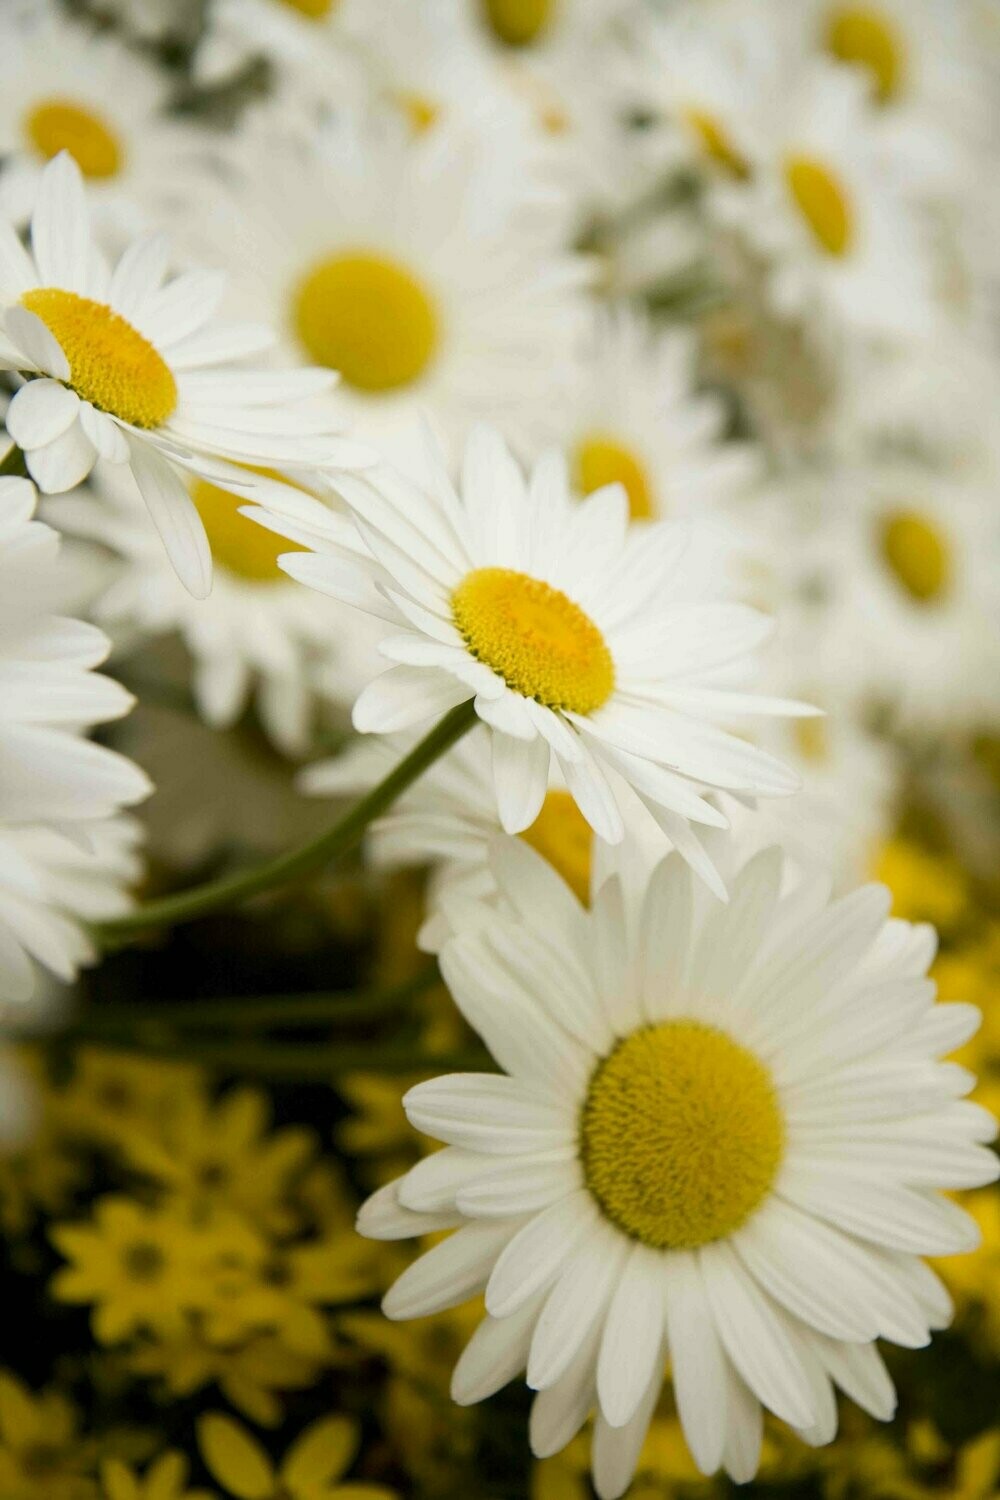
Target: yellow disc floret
column 601, row 459
column 533, row 635
column 367, row 317
column 918, row 555
column 714, row 141
column 822, row 201
column 519, row 22
column 314, row 10
column 681, row 1135
column 860, row 34
column 239, row 544
column 111, row 364
column 56, row 125
column 562, row 835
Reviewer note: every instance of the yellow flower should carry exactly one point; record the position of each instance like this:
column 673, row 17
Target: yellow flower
column 224, row 1152
column 250, row 1375
column 142, row 1268
column 42, row 1456
column 311, row 1469
column 925, row 887
column 112, row 1096
column 165, row 1479
column 977, row 1469
column 40, row 1176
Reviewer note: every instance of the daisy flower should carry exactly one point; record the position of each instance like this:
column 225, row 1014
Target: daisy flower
column 257, row 637
column 530, row 25
column 631, row 414
column 407, row 264
column 66, row 88
column 139, row 373
column 612, row 648
column 719, row 1137
column 65, row 854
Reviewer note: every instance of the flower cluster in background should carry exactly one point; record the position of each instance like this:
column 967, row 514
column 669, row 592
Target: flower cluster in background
column 512, row 486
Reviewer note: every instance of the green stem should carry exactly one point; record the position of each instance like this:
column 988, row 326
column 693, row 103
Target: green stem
column 14, row 463
column 335, row 842
column 259, row 1013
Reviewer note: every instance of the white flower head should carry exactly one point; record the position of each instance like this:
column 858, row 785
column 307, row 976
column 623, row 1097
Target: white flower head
column 720, row 1137
column 611, row 647
column 138, row 372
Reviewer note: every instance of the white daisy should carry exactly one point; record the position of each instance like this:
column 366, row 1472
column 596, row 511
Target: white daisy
column 830, row 202
column 310, row 70
column 630, row 413
column 540, row 25
column 258, row 635
column 427, row 281
column 64, row 848
column 719, row 1136
column 448, row 819
column 137, row 372
column 65, row 87
column 612, row 648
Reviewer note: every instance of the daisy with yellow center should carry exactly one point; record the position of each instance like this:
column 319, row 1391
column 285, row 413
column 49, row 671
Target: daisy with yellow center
column 123, row 367
column 414, row 264
column 575, row 635
column 720, row 1137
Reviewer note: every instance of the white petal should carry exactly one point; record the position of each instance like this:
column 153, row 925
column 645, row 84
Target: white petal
column 495, row 1353
column 616, row 1449
column 532, row 1259
column 631, row 1349
column 697, row 1362
column 60, row 232
column 62, row 464
column 175, row 517
column 521, row 778
column 405, row 696
column 40, row 346
column 575, row 1305
column 450, row 1273
column 41, row 411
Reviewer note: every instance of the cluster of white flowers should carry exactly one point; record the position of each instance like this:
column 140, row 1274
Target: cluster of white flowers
column 661, row 330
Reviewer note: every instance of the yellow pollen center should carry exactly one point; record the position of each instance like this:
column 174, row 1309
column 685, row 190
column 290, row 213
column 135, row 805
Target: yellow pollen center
column 859, row 34
column 368, row 318
column 535, row 638
column 421, row 112
column 562, row 835
column 239, row 545
column 822, row 201
column 918, row 555
column 111, row 364
column 600, row 459
column 716, row 144
column 519, row 22
column 681, row 1135
column 57, row 125
column 812, row 739
column 314, row 10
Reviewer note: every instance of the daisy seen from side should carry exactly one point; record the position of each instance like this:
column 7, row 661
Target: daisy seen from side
column 720, row 1136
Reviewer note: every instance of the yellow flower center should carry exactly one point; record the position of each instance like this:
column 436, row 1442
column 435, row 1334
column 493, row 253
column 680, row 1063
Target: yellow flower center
column 562, row 835
column 716, row 144
column 239, row 544
column 918, row 555
column 822, row 201
column 600, row 459
column 314, row 10
column 57, row 125
column 860, row 34
column 368, row 318
column 143, row 1261
column 421, row 112
column 111, row 364
column 812, row 739
column 681, row 1135
column 519, row 22
column 535, row 638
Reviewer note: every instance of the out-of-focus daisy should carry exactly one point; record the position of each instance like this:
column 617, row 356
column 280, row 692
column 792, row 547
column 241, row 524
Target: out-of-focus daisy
column 257, row 635
column 66, row 855
column 139, row 373
column 631, row 415
column 721, row 1138
column 612, row 648
column 831, row 206
column 448, row 819
column 542, row 24
column 901, row 594
column 66, row 88
column 400, row 263
column 310, row 1470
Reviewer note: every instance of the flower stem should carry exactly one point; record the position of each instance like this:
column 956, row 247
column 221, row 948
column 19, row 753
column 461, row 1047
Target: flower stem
column 344, row 836
column 14, row 463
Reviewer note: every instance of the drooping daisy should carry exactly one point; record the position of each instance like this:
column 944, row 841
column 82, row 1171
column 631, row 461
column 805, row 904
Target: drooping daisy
column 720, row 1136
column 830, row 202
column 399, row 261
column 630, row 414
column 66, row 88
column 137, row 372
column 613, row 648
column 67, row 857
column 448, row 819
column 258, row 635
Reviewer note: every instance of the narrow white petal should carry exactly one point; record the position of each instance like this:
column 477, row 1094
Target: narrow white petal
column 405, row 696
column 575, row 1304
column 495, row 1353
column 697, row 1362
column 532, row 1259
column 631, row 1349
column 175, row 517
column 41, row 411
column 520, row 778
column 449, row 1274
